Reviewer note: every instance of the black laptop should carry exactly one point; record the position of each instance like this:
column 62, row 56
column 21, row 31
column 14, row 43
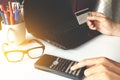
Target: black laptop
column 55, row 21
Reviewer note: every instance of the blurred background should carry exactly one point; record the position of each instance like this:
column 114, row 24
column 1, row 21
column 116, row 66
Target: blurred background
column 0, row 21
column 5, row 1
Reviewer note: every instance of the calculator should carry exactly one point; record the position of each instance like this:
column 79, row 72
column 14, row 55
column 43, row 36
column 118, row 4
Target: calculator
column 59, row 66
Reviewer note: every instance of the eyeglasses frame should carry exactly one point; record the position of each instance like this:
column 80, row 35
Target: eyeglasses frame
column 23, row 51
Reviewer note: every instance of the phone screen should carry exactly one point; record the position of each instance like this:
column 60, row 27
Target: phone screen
column 46, row 60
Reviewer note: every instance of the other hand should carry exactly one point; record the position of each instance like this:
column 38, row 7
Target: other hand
column 100, row 69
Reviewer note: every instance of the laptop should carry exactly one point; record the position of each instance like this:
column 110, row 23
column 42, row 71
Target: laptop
column 55, row 21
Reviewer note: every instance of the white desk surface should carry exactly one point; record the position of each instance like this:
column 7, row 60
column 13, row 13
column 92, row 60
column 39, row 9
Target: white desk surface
column 102, row 45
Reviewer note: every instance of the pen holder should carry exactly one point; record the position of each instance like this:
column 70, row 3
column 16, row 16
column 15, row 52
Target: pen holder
column 14, row 34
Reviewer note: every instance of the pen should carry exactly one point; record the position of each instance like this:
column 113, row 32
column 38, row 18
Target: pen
column 6, row 15
column 2, row 15
column 16, row 13
column 11, row 13
column 3, row 8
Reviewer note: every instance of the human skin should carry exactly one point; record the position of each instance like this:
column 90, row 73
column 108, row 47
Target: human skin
column 99, row 68
column 98, row 21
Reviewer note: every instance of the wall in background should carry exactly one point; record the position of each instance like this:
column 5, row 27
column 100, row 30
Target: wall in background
column 116, row 10
column 0, row 22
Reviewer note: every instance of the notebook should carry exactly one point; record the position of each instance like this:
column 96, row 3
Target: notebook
column 55, row 21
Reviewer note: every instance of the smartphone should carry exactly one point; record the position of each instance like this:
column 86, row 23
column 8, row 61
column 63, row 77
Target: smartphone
column 59, row 66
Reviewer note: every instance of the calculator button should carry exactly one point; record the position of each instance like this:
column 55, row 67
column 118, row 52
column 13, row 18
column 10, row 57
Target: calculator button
column 68, row 68
column 66, row 65
column 74, row 72
column 54, row 63
column 78, row 72
column 70, row 71
column 63, row 62
column 60, row 65
column 51, row 66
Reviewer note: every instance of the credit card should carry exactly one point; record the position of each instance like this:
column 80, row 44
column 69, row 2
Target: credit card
column 81, row 15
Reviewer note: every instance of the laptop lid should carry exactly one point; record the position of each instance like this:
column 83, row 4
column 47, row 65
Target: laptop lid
column 55, row 21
